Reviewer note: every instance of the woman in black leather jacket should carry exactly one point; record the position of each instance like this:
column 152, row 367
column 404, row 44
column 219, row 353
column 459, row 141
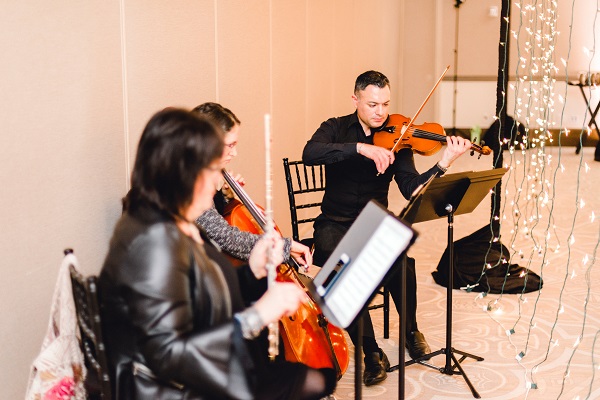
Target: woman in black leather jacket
column 173, row 315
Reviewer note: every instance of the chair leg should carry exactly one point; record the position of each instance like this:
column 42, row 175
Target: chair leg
column 386, row 313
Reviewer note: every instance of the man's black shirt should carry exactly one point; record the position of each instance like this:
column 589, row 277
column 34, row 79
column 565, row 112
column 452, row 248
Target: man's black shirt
column 352, row 179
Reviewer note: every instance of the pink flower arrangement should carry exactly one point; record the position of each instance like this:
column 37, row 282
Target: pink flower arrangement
column 63, row 390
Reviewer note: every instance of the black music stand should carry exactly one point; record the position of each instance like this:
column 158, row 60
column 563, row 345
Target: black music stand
column 450, row 195
column 356, row 268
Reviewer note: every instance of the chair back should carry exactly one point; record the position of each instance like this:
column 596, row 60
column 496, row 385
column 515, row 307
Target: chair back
column 302, row 180
column 85, row 295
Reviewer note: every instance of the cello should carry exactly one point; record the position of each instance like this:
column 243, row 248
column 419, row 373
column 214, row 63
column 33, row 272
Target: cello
column 307, row 336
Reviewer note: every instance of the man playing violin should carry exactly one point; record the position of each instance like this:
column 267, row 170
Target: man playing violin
column 356, row 171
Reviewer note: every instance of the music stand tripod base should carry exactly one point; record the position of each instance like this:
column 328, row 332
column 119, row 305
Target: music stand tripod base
column 450, row 368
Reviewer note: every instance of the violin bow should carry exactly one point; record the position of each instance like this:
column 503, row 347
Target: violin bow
column 405, row 127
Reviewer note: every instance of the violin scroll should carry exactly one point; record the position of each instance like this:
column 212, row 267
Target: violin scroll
column 482, row 150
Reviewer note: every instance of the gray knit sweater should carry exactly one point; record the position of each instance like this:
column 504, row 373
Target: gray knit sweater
column 230, row 239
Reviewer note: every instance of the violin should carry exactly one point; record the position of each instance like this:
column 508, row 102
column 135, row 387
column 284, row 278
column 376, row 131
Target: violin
column 425, row 139
column 399, row 132
column 307, row 335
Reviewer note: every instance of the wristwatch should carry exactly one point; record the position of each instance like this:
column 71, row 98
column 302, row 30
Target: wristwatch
column 250, row 322
column 441, row 168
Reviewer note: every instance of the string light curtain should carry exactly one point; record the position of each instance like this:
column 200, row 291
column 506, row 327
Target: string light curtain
column 537, row 99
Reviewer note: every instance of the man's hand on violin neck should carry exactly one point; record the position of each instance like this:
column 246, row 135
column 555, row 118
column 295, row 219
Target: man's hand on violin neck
column 382, row 157
column 456, row 147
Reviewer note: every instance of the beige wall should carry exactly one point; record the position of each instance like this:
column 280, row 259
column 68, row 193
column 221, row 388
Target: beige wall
column 63, row 159
column 80, row 79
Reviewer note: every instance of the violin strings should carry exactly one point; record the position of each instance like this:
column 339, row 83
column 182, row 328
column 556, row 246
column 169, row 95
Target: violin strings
column 422, row 134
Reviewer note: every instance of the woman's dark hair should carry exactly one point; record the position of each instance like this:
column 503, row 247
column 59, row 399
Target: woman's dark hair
column 175, row 147
column 370, row 78
column 219, row 115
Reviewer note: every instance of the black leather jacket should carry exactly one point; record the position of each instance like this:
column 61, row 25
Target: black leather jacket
column 167, row 305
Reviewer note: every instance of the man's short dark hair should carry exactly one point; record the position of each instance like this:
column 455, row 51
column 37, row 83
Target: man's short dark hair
column 370, row 78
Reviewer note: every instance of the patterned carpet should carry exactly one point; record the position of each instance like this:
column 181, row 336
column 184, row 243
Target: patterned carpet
column 557, row 329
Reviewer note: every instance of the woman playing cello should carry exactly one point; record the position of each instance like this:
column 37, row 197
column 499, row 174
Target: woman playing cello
column 307, row 337
column 232, row 240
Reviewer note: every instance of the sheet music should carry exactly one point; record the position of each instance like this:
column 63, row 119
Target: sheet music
column 360, row 277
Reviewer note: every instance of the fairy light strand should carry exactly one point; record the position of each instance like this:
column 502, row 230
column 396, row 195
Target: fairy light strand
column 588, row 295
column 531, row 198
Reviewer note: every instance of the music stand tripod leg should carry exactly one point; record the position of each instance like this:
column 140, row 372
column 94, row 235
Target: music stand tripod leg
column 452, row 363
column 401, row 334
column 357, row 359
